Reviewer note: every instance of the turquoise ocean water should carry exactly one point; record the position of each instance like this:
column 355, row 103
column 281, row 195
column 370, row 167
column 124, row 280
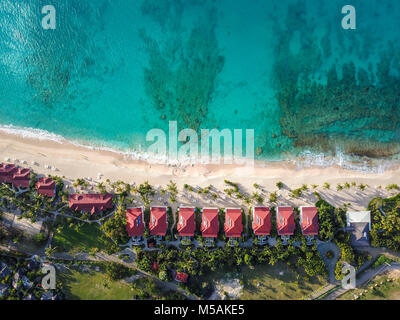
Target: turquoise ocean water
column 114, row 69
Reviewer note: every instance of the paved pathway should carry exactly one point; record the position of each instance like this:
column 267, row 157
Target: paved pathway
column 364, row 279
column 368, row 275
column 323, row 248
column 321, row 291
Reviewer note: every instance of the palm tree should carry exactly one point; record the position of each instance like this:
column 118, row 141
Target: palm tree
column 50, row 251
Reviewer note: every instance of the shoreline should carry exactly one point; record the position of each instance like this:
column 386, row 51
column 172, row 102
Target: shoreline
column 74, row 162
column 305, row 160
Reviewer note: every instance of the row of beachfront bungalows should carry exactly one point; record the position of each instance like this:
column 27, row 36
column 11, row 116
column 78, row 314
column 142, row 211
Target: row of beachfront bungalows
column 233, row 226
column 186, row 225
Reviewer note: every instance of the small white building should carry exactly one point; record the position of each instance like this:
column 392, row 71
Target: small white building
column 358, row 217
column 359, row 225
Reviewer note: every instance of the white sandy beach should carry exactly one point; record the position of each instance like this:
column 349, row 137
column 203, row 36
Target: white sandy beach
column 74, row 162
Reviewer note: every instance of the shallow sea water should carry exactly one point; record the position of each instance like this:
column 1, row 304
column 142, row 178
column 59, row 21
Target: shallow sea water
column 113, row 70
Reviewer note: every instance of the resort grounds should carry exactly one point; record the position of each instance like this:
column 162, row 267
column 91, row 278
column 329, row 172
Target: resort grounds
column 250, row 272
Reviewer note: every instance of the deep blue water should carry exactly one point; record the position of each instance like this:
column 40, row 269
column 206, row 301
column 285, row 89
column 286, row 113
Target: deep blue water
column 114, row 69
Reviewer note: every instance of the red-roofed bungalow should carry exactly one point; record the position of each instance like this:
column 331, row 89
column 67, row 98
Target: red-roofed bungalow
column 285, row 221
column 309, row 221
column 155, row 266
column 261, row 223
column 6, row 172
column 210, row 223
column 186, row 224
column 134, row 223
column 46, row 187
column 181, row 277
column 158, row 221
column 233, row 223
column 21, row 178
column 92, row 203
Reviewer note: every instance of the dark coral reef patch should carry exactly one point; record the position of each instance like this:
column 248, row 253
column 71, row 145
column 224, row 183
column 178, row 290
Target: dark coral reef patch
column 353, row 109
column 181, row 75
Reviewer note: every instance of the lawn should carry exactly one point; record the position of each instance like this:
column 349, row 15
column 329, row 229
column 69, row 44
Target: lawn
column 278, row 282
column 79, row 238
column 94, row 286
column 383, row 287
column 91, row 285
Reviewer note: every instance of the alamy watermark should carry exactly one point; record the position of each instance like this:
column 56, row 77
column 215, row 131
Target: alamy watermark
column 49, row 280
column 49, row 19
column 349, row 20
column 349, row 279
column 198, row 150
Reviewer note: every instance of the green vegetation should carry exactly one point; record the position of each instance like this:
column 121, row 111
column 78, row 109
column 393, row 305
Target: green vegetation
column 296, row 193
column 115, row 227
column 279, row 185
column 385, row 230
column 200, row 262
column 382, row 287
column 173, row 191
column 94, row 286
column 80, row 182
column 348, row 254
column 392, row 187
column 330, row 219
column 106, row 283
column 73, row 236
column 266, row 282
column 40, row 238
column 273, row 197
column 78, row 238
column 234, row 185
column 327, row 186
column 117, row 271
column 362, row 186
column 145, row 191
column 381, row 260
column 258, row 197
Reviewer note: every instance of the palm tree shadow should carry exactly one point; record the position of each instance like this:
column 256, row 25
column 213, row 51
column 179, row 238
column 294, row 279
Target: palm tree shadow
column 67, row 278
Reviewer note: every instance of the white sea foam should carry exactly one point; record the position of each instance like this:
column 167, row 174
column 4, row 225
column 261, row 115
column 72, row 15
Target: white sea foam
column 32, row 133
column 308, row 159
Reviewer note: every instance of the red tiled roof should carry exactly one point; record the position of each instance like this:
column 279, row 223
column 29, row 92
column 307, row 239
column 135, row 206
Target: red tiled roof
column 181, row 277
column 285, row 221
column 46, row 186
column 186, row 224
column 233, row 223
column 261, row 221
column 210, row 223
column 6, row 172
column 309, row 220
column 158, row 221
column 92, row 203
column 134, row 222
column 21, row 178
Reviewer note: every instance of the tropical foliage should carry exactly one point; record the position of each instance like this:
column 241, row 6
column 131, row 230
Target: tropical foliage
column 330, row 219
column 385, row 216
